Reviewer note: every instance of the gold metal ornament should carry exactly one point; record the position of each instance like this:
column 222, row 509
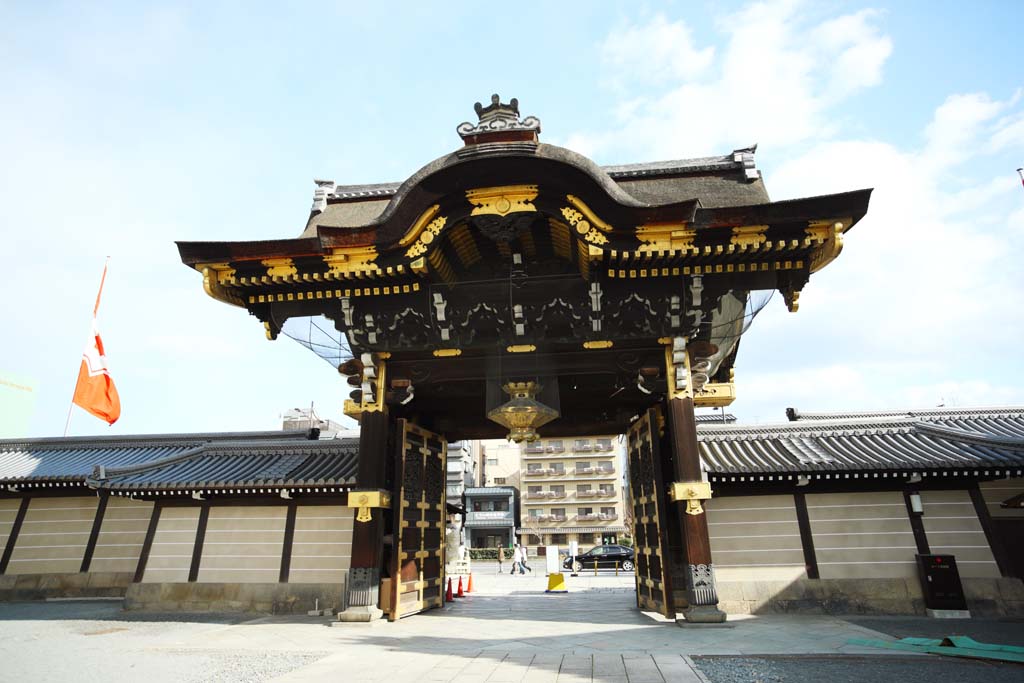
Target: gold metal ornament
column 523, row 414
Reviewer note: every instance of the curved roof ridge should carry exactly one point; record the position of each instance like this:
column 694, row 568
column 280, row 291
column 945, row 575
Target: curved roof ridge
column 136, row 440
column 954, row 433
column 761, row 430
column 230, row 448
column 796, row 415
column 615, row 171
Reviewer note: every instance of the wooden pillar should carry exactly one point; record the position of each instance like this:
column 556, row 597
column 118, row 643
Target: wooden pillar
column 363, row 587
column 701, row 593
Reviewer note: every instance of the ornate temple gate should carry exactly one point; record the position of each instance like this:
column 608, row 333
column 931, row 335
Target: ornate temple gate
column 588, row 295
column 653, row 578
column 417, row 571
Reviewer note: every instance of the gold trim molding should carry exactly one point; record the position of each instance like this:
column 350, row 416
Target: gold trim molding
column 715, row 395
column 447, row 353
column 363, row 501
column 521, row 348
column 503, row 200
column 693, row 492
column 212, row 286
column 829, row 234
column 748, row 236
column 431, row 231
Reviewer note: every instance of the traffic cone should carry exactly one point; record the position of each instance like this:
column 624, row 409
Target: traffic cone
column 448, row 594
column 460, row 594
column 469, row 584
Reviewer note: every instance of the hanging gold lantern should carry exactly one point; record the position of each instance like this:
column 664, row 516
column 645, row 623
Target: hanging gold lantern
column 523, row 414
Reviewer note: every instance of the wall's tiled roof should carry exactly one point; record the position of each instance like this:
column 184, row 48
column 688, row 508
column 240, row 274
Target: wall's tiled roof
column 67, row 459
column 947, row 440
column 180, row 461
column 242, row 464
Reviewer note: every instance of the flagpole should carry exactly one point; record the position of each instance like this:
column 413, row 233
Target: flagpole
column 95, row 309
column 68, row 423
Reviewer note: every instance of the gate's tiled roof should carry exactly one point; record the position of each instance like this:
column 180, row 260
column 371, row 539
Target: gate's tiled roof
column 932, row 440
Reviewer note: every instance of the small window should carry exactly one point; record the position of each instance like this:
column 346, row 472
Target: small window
column 558, row 539
column 607, row 511
column 558, row 512
column 605, row 444
column 534, row 512
column 534, row 489
column 581, row 465
column 582, row 444
column 533, row 467
column 556, row 445
column 499, row 480
column 584, row 511
column 582, row 488
column 492, row 461
column 560, row 488
column 558, row 467
column 607, row 488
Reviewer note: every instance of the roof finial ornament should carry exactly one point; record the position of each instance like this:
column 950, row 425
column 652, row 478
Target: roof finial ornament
column 499, row 122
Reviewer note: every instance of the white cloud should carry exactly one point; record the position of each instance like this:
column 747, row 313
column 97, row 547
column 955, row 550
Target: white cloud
column 655, row 52
column 923, row 305
column 775, row 80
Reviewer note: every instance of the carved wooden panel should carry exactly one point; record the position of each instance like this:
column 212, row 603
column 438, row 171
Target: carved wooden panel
column 653, row 580
column 418, row 561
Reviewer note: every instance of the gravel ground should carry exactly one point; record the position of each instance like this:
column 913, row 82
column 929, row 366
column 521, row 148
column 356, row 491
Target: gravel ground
column 836, row 669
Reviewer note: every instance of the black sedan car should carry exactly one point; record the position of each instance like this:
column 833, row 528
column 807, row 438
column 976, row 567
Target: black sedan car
column 603, row 557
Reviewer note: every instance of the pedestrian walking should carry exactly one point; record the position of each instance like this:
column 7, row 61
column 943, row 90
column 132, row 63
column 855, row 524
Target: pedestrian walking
column 501, row 557
column 517, row 560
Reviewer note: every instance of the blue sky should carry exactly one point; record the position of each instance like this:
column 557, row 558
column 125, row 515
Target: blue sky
column 126, row 127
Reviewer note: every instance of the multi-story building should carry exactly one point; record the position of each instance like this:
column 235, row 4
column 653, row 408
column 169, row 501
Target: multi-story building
column 500, row 462
column 460, row 474
column 572, row 490
column 491, row 516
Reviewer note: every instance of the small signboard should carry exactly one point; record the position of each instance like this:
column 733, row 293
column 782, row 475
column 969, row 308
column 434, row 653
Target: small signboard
column 551, row 559
column 940, row 582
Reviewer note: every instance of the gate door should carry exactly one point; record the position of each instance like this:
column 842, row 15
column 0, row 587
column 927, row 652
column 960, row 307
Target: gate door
column 417, row 569
column 653, row 580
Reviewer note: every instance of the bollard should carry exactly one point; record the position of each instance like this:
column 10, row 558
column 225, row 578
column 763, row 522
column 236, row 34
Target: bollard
column 595, row 567
column 616, row 567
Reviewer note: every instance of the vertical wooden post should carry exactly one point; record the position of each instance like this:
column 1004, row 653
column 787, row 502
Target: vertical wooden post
column 363, row 587
column 289, row 538
column 94, row 535
column 12, row 537
column 701, row 593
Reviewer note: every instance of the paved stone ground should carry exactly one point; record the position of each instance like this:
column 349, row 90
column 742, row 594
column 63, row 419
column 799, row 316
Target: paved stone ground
column 507, row 631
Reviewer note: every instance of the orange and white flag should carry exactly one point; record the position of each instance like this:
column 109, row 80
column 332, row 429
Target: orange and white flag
column 95, row 391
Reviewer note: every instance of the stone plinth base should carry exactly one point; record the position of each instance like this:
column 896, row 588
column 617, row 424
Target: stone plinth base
column 360, row 614
column 995, row 597
column 703, row 614
column 270, row 598
column 948, row 613
column 42, row 586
